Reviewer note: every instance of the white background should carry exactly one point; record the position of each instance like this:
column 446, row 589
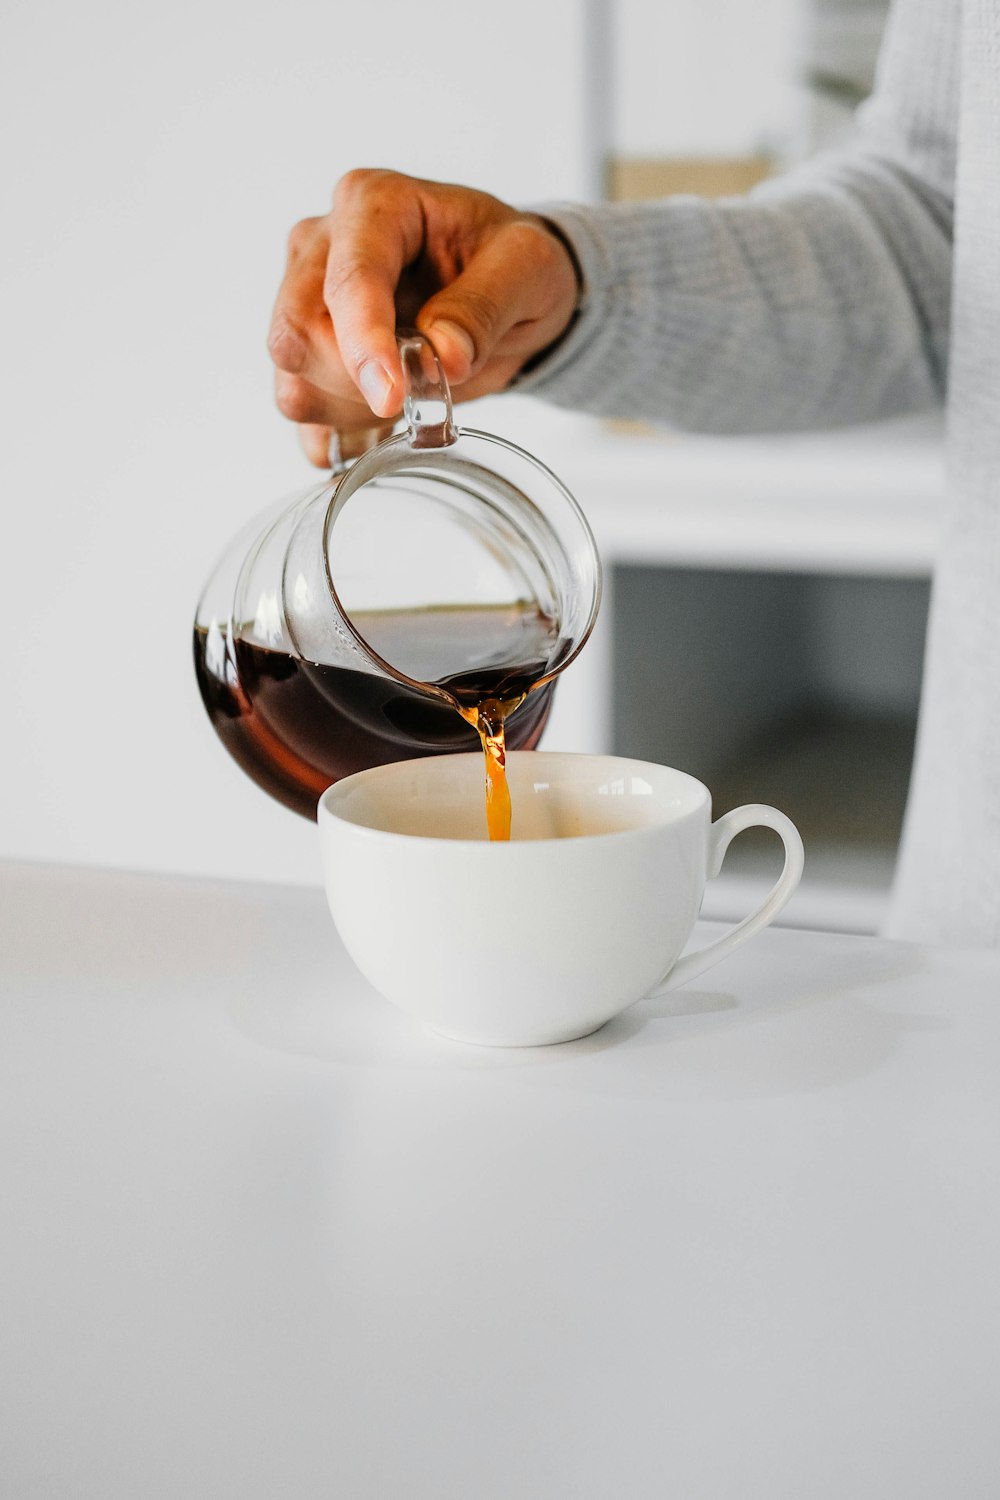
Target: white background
column 153, row 160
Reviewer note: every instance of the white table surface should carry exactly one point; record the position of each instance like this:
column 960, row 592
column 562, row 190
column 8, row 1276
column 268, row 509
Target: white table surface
column 262, row 1237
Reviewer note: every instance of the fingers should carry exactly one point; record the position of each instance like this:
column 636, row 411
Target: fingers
column 376, row 230
column 315, row 441
column 490, row 286
column 300, row 330
column 329, row 449
column 515, row 296
column 334, row 319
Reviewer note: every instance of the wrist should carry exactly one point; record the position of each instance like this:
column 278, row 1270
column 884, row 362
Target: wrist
column 534, row 361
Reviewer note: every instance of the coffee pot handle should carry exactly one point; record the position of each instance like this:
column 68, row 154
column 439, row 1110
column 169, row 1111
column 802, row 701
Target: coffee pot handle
column 720, row 836
column 427, row 399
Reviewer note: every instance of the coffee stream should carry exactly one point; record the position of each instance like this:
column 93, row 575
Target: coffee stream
column 487, row 719
column 508, row 648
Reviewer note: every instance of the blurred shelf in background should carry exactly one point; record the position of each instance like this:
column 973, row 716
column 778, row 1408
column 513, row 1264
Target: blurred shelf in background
column 763, row 628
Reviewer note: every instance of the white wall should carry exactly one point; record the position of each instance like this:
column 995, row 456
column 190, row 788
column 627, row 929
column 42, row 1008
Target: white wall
column 153, row 159
column 706, row 77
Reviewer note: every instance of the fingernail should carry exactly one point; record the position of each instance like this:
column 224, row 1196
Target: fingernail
column 375, row 384
column 454, row 335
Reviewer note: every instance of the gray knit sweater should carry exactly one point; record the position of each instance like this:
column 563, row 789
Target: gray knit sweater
column 863, row 284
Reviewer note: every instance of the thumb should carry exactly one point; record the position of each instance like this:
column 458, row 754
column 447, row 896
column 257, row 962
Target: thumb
column 444, row 321
column 509, row 281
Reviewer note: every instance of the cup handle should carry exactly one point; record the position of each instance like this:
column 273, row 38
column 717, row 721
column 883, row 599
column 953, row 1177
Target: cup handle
column 721, row 835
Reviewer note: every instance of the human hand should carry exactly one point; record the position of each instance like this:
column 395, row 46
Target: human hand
column 490, row 286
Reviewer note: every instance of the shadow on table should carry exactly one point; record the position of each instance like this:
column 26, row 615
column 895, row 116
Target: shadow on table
column 810, row 1012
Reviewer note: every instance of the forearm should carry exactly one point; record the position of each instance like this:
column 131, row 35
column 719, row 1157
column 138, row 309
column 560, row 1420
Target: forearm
column 822, row 305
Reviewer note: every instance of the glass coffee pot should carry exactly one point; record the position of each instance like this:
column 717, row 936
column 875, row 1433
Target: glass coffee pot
column 427, row 594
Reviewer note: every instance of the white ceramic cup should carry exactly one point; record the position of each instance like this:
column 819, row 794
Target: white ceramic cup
column 544, row 938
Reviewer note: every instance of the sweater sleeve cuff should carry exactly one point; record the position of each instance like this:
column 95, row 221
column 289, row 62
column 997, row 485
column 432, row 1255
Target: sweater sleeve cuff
column 575, row 224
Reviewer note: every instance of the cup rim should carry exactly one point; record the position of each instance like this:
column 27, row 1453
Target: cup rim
column 326, row 807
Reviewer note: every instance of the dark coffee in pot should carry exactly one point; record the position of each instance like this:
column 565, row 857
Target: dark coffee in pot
column 297, row 726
